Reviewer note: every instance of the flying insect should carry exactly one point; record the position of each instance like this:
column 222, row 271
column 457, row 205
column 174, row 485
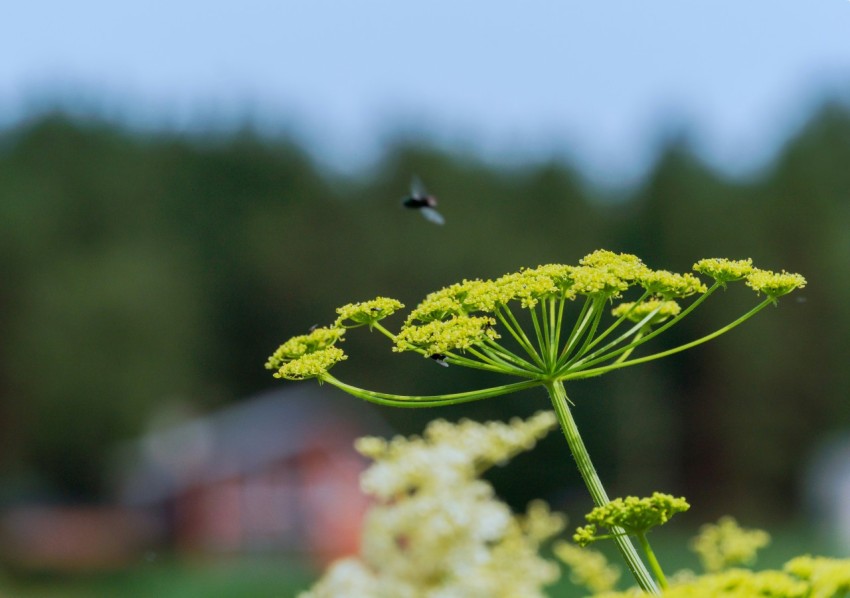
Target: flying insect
column 420, row 200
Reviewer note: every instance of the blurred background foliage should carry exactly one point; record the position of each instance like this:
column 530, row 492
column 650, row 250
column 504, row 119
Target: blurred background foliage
column 143, row 269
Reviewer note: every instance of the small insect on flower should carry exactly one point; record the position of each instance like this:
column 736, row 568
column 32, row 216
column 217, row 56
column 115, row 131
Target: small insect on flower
column 439, row 358
column 420, row 200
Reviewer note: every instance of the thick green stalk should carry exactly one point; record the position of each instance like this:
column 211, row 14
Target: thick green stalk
column 594, row 485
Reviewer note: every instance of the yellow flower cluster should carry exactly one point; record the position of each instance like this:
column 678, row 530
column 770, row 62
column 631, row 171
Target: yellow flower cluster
column 774, row 284
column 458, row 299
column 660, row 310
column 530, row 285
column 635, row 515
column 740, row 583
column 723, row 270
column 366, row 312
column 441, row 336
column 669, row 285
column 725, row 544
column 311, row 365
column 307, row 355
column 801, row 577
column 828, row 577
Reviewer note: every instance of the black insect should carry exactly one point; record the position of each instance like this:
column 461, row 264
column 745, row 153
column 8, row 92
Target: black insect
column 439, row 358
column 421, row 201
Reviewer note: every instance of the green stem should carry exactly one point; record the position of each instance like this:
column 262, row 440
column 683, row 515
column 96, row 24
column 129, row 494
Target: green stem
column 393, row 400
column 508, row 320
column 600, row 337
column 617, row 365
column 493, row 348
column 554, row 332
column 594, row 485
column 653, row 561
column 538, row 331
column 592, row 317
column 587, row 360
column 490, row 361
column 377, row 326
column 575, row 332
column 455, row 359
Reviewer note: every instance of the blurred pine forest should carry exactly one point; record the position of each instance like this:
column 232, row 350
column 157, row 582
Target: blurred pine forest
column 142, row 270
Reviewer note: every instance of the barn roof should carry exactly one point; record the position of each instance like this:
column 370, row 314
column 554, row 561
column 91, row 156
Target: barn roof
column 240, row 439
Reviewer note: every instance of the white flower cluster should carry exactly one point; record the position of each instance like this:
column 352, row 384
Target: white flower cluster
column 437, row 531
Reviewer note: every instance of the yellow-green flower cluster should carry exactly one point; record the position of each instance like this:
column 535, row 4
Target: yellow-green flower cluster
column 307, row 355
column 669, row 285
column 311, row 365
column 366, row 313
column 598, row 282
column 462, row 298
column 442, row 336
column 530, row 285
column 723, row 270
column 741, row 583
column 725, row 544
column 774, row 284
column 801, row 577
column 827, row 577
column 659, row 309
column 624, row 266
column 601, row 273
column 634, row 515
column 588, row 568
column 451, row 537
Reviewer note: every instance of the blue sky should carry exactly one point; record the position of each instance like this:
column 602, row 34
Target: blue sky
column 598, row 81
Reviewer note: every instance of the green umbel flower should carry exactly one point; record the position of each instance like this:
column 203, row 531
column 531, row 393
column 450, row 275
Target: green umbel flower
column 774, row 284
column 307, row 355
column 631, row 514
column 442, row 336
column 366, row 313
column 567, row 332
column 723, row 270
column 311, row 365
column 828, row 577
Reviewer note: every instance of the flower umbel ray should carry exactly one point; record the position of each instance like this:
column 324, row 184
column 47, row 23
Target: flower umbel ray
column 544, row 326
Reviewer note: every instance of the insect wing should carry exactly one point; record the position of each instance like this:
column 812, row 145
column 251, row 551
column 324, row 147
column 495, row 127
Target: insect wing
column 432, row 215
column 417, row 189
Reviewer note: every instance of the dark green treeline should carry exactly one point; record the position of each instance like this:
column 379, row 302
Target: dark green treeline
column 143, row 270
